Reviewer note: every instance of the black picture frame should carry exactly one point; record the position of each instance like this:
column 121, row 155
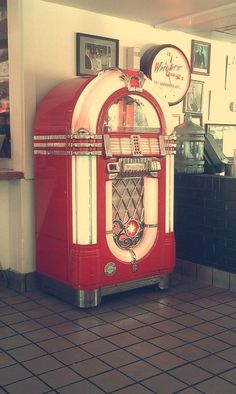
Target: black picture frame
column 95, row 53
column 225, row 136
column 192, row 102
column 200, row 57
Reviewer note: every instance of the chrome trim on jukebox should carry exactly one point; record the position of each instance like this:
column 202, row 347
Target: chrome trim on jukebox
column 121, row 287
column 88, row 298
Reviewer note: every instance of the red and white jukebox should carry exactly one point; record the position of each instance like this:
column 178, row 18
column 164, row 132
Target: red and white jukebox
column 104, row 174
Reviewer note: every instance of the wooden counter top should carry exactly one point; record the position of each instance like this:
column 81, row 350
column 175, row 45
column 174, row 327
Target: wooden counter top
column 8, row 175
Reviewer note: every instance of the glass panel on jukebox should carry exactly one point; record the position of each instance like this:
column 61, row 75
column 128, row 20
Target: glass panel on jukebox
column 104, row 173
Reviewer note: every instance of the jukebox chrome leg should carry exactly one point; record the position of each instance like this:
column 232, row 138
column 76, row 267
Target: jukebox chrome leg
column 164, row 282
column 88, row 298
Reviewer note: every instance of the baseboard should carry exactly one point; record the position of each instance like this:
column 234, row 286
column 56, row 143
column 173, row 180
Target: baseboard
column 209, row 275
column 17, row 281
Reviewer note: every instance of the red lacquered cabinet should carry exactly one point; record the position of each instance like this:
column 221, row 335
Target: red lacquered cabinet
column 104, row 175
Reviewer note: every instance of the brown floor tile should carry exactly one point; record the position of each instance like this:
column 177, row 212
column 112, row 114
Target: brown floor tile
column 99, row 347
column 190, row 374
column 207, row 314
column 14, row 318
column 51, row 320
column 128, row 324
column 164, row 384
column 188, row 320
column 81, row 337
column 6, row 332
column 167, row 342
column 71, row 355
column 168, row 326
column 26, row 326
column 189, row 335
column 143, row 349
column 224, row 309
column 228, row 337
column 145, row 332
column 209, row 328
column 82, row 387
column 42, row 364
column 106, row 330
column 227, row 322
column 60, row 377
column 205, row 302
column 26, row 306
column 88, row 322
column 27, row 352
column 189, row 390
column 132, row 311
column 111, row 381
column 13, row 342
column 65, row 328
column 40, row 335
column 165, row 361
column 228, row 354
column 169, row 313
column 230, row 376
column 216, row 385
column 38, row 313
column 55, row 344
column 6, row 360
column 214, row 364
column 139, row 370
column 211, row 345
column 118, row 358
column 90, row 367
column 149, row 318
column 134, row 389
column 12, row 374
column 111, row 316
column 189, row 352
column 124, row 339
column 187, row 307
column 31, row 385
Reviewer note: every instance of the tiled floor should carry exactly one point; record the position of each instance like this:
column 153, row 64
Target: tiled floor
column 144, row 341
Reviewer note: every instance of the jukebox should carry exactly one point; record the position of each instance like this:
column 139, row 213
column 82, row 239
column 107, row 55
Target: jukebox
column 104, row 174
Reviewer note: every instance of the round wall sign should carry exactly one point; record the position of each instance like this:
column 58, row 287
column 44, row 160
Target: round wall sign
column 167, row 66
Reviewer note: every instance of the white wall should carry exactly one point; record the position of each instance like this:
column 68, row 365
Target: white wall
column 42, row 53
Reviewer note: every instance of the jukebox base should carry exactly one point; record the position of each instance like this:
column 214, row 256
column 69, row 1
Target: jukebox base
column 92, row 298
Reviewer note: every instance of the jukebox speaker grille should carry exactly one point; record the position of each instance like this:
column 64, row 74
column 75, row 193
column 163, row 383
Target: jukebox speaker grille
column 127, row 211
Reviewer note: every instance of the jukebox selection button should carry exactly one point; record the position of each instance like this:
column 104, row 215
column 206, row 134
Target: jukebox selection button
column 136, row 146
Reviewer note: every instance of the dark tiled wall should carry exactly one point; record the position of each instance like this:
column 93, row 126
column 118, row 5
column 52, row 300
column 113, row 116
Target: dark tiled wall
column 205, row 220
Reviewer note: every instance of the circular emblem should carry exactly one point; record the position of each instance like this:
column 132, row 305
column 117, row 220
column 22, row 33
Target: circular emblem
column 110, row 269
column 132, row 228
column 167, row 66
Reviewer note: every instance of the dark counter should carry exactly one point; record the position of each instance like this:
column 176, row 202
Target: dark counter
column 205, row 220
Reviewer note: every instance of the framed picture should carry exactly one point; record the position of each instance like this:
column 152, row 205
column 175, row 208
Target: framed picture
column 225, row 136
column 197, row 119
column 200, row 57
column 94, row 53
column 193, row 99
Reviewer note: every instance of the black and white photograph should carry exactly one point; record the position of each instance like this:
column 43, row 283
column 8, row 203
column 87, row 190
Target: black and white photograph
column 200, row 57
column 94, row 53
column 193, row 99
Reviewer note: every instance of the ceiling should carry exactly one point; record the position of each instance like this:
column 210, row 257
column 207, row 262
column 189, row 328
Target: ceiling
column 212, row 19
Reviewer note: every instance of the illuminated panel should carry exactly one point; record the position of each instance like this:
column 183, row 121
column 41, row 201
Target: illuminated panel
column 169, row 205
column 84, row 200
column 150, row 204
